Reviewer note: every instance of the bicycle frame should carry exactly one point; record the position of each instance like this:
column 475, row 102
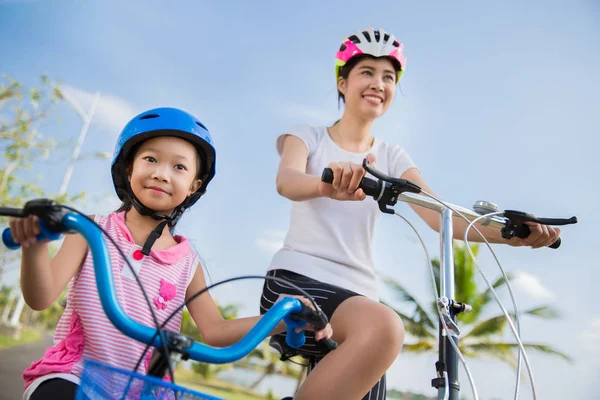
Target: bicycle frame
column 447, row 353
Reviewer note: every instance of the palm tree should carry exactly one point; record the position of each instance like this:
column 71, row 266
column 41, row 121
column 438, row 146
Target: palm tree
column 481, row 337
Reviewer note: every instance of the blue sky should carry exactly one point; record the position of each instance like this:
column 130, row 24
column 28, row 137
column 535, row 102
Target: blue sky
column 498, row 102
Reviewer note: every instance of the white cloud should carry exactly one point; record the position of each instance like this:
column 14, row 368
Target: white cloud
column 590, row 337
column 112, row 111
column 530, row 285
column 270, row 241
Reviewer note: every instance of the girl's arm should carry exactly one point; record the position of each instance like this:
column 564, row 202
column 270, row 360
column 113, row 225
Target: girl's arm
column 219, row 332
column 216, row 330
column 541, row 235
column 43, row 280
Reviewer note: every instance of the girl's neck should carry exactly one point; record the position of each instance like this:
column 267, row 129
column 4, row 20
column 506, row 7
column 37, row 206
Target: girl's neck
column 140, row 227
column 352, row 134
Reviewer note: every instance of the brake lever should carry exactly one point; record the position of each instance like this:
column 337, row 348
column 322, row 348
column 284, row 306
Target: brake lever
column 48, row 211
column 399, row 184
column 516, row 226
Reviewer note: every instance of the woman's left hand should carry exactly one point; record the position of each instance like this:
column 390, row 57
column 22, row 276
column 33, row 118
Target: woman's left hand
column 540, row 236
column 324, row 333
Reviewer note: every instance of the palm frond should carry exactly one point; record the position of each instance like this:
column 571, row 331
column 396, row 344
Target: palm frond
column 543, row 348
column 497, row 348
column 420, row 315
column 421, row 346
column 492, row 350
column 496, row 325
column 486, row 296
column 489, row 327
column 544, row 312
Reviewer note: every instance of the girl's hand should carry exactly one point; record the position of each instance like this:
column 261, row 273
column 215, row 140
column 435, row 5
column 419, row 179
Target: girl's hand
column 346, row 178
column 25, row 230
column 540, row 236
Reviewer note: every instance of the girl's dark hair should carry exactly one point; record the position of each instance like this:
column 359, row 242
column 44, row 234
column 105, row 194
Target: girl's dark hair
column 126, row 203
column 349, row 66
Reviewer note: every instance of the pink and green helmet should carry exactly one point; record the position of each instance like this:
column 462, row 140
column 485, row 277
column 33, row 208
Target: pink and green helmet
column 376, row 43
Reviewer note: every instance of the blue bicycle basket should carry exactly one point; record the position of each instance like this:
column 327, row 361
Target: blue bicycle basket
column 100, row 381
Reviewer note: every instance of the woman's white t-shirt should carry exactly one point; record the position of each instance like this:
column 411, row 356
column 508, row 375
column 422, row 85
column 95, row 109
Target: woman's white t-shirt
column 331, row 240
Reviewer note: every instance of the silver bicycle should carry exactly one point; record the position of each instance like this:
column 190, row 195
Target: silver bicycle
column 387, row 191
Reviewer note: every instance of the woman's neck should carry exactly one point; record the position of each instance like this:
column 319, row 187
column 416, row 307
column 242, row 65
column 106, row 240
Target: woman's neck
column 352, row 134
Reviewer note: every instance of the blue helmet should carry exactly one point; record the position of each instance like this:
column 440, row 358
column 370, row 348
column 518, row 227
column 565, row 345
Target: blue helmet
column 163, row 122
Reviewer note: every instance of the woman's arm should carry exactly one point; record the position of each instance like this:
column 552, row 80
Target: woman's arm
column 541, row 235
column 294, row 183
column 292, row 180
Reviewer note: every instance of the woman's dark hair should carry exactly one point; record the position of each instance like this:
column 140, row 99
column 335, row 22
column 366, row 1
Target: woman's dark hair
column 126, row 203
column 345, row 70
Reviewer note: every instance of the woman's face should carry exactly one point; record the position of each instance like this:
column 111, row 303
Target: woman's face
column 369, row 88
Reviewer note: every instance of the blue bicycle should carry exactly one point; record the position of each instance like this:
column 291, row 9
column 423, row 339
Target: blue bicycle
column 105, row 382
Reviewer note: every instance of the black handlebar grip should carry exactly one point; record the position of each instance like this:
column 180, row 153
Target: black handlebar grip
column 330, row 343
column 327, row 175
column 524, row 231
column 556, row 244
column 369, row 186
column 319, row 320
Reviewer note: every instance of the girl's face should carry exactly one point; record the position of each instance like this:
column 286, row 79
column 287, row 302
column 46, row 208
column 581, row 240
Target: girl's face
column 369, row 88
column 164, row 172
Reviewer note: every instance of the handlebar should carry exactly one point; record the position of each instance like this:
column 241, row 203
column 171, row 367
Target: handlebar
column 291, row 310
column 388, row 190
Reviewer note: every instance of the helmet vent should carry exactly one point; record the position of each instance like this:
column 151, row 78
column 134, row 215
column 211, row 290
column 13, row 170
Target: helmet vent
column 149, row 116
column 366, row 33
column 354, row 39
column 201, row 125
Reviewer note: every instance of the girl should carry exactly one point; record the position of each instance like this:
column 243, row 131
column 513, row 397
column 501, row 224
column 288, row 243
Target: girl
column 163, row 162
column 327, row 250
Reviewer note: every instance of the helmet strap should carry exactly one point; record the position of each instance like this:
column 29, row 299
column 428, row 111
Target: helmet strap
column 148, row 212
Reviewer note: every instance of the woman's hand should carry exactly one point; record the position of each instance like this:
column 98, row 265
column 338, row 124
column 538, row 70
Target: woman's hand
column 346, row 178
column 324, row 333
column 540, row 236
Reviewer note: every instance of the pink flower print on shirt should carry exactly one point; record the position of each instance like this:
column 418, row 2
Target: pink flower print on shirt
column 166, row 293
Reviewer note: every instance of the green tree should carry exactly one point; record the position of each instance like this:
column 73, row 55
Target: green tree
column 21, row 112
column 482, row 336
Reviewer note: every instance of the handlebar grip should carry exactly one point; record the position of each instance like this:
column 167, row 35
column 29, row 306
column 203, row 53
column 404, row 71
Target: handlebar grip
column 45, row 234
column 327, row 175
column 524, row 231
column 292, row 338
column 369, row 186
column 317, row 318
column 330, row 343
